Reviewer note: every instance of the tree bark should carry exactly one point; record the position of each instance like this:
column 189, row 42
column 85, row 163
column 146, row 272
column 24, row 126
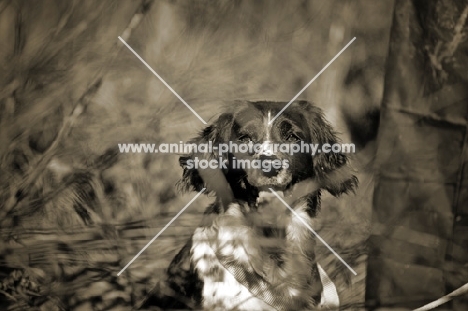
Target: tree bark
column 418, row 246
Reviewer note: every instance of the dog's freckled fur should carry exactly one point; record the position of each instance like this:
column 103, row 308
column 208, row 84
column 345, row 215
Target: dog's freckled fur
column 250, row 254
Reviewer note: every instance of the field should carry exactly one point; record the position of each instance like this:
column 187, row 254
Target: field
column 74, row 212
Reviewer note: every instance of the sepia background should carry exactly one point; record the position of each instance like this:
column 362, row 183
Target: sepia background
column 74, row 211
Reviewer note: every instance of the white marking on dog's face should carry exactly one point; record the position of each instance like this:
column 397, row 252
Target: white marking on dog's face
column 267, row 127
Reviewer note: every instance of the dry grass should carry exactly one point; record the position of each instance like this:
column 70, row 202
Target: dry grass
column 74, row 213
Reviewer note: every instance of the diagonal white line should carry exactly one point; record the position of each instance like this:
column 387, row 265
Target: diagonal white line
column 162, row 230
column 444, row 299
column 161, row 79
column 313, row 231
column 313, row 79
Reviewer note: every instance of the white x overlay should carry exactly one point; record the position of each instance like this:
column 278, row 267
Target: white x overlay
column 270, row 122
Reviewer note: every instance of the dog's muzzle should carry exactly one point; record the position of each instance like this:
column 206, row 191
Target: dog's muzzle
column 267, row 155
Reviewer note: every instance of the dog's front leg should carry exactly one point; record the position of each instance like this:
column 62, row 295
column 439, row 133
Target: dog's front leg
column 299, row 260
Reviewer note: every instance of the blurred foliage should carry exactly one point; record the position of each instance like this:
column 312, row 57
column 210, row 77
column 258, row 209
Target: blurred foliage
column 74, row 212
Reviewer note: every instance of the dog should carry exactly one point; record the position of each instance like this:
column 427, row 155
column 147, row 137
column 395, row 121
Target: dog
column 251, row 252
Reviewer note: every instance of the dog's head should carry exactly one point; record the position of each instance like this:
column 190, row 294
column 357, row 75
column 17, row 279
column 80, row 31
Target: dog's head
column 260, row 154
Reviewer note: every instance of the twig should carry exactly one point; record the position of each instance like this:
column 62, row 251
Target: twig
column 65, row 18
column 445, row 50
column 8, row 295
column 458, row 292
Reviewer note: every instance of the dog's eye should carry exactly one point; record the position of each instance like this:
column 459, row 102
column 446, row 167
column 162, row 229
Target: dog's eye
column 244, row 138
column 293, row 137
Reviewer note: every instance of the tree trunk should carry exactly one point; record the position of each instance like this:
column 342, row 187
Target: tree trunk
column 419, row 241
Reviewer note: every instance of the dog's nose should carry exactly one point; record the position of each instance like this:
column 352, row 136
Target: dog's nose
column 267, row 166
column 266, row 148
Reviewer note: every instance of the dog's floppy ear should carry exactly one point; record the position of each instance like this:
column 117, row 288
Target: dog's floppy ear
column 331, row 169
column 192, row 179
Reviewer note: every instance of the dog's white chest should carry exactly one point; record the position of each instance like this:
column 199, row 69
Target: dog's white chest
column 231, row 243
column 221, row 290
